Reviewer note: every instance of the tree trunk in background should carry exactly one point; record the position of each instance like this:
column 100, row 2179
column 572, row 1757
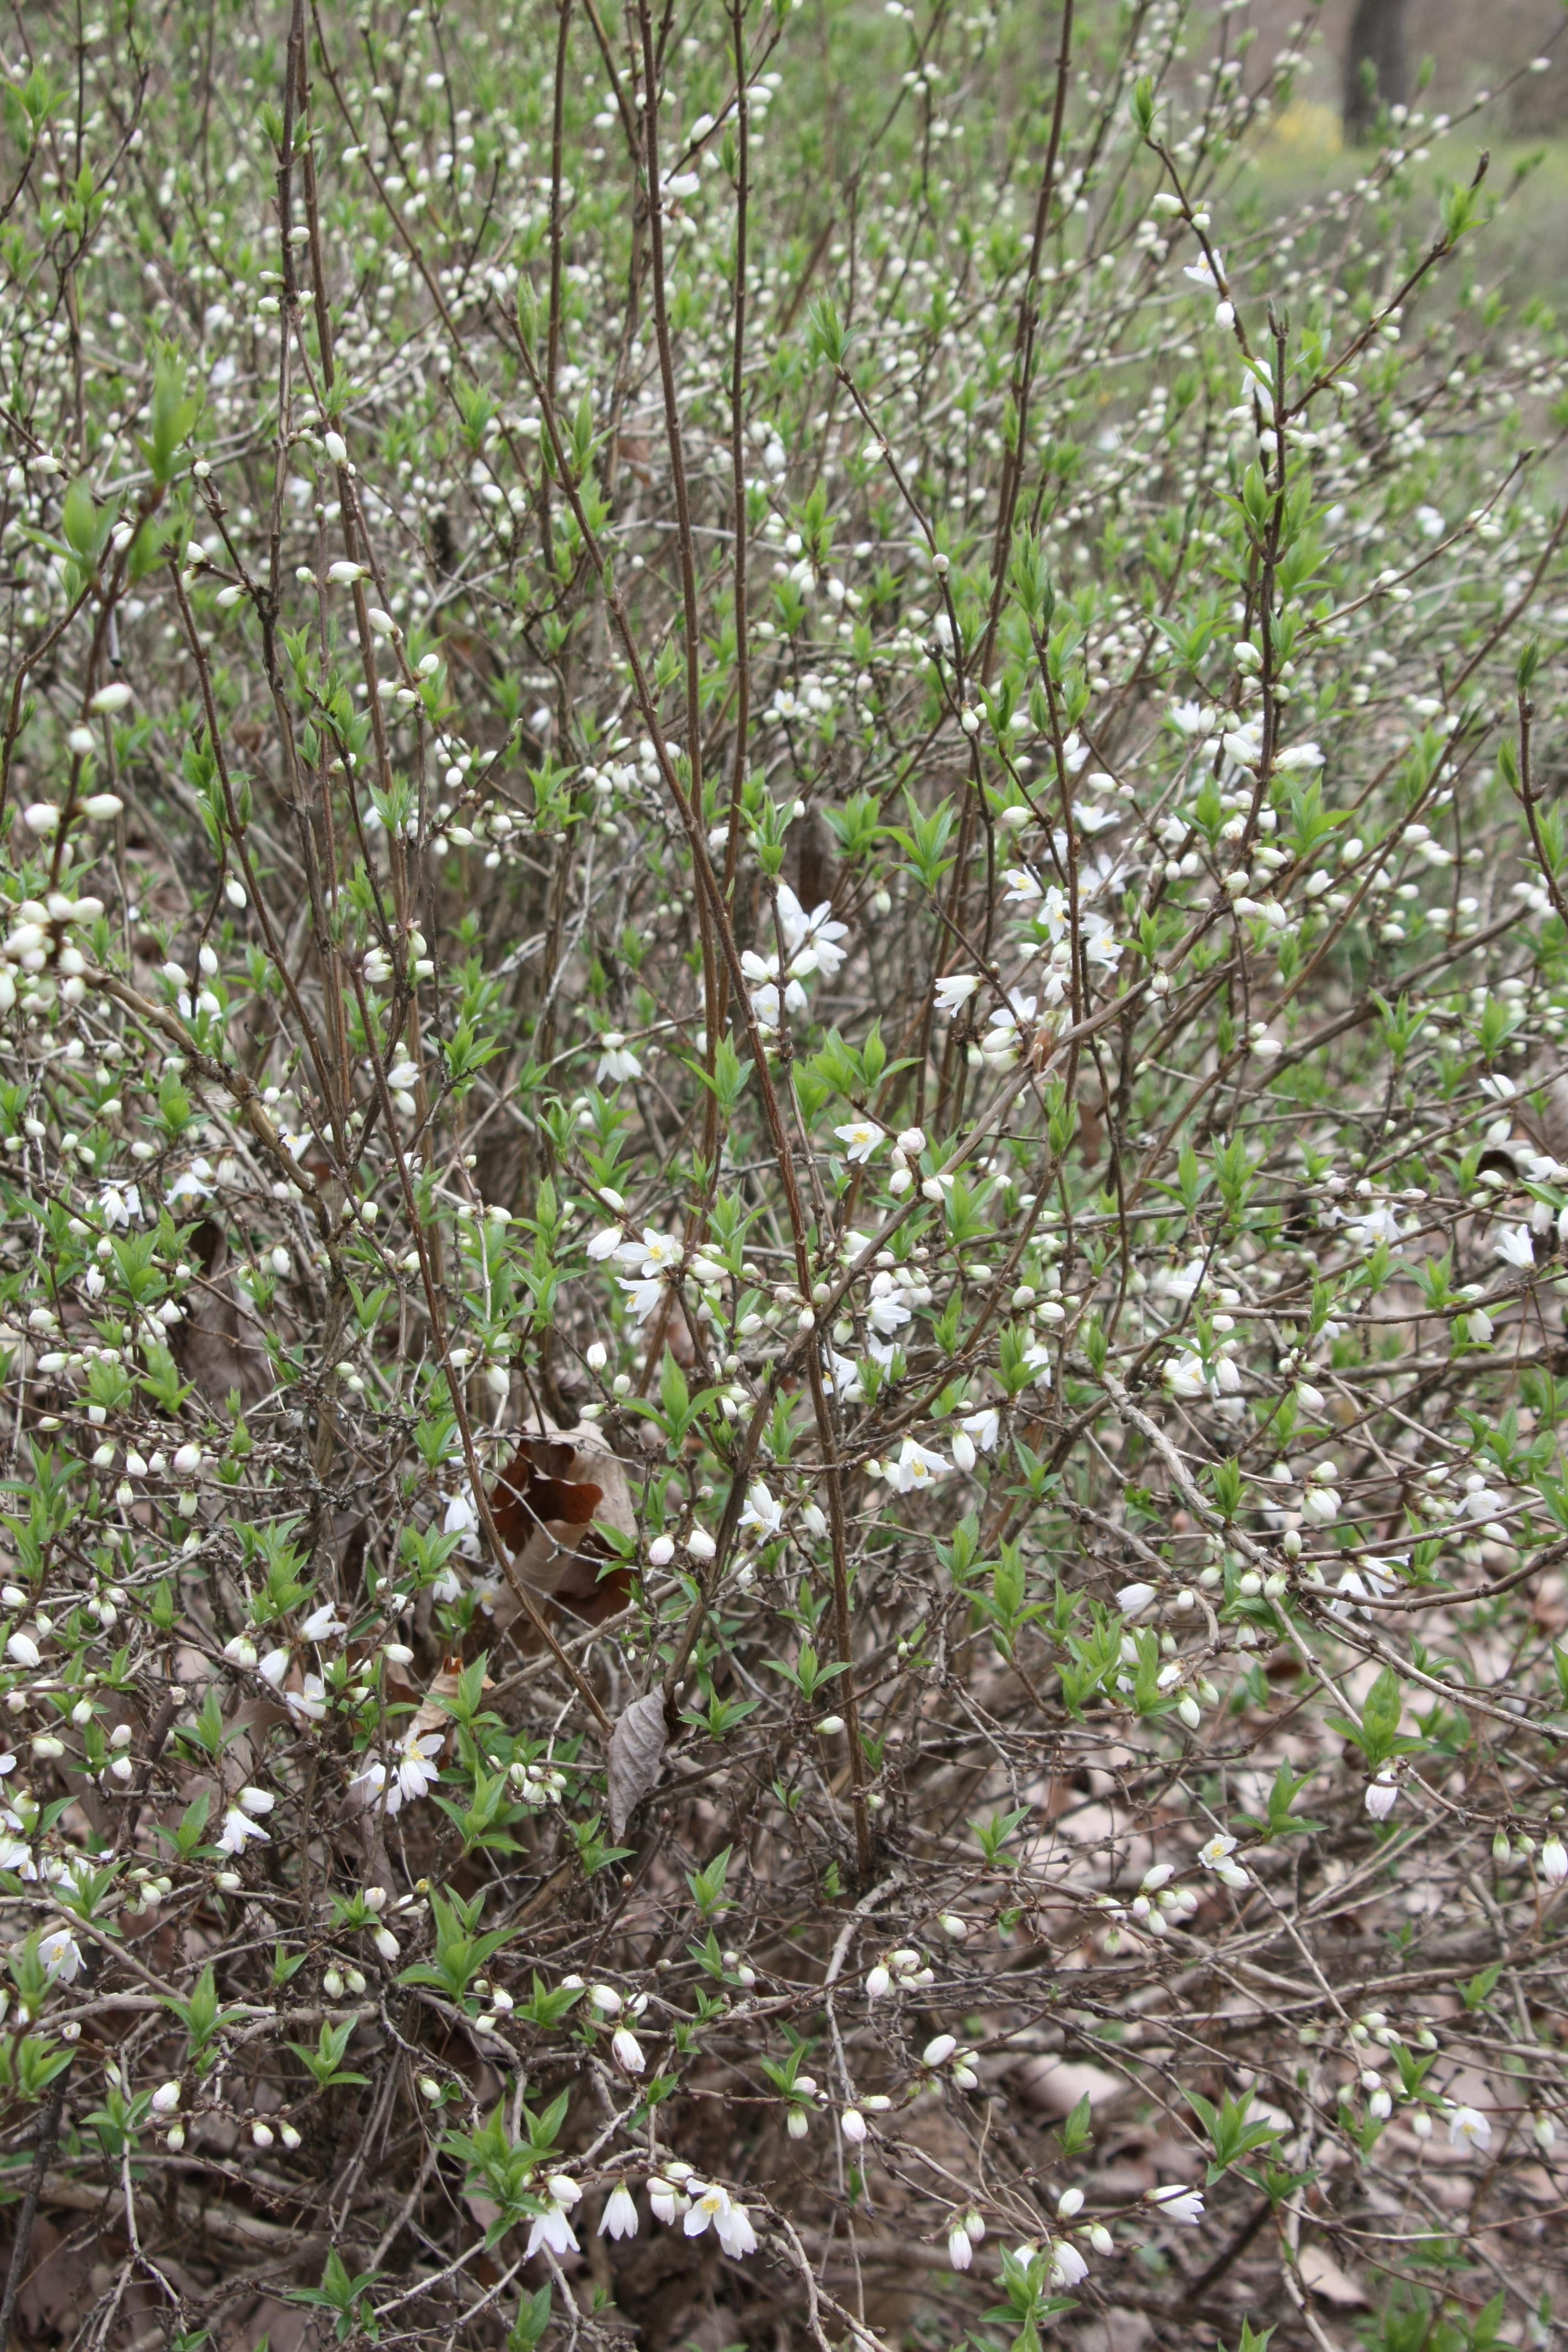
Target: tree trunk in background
column 1377, row 54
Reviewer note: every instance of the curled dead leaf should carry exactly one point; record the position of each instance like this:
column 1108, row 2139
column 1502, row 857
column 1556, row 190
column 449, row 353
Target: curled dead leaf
column 637, row 1746
column 551, row 1505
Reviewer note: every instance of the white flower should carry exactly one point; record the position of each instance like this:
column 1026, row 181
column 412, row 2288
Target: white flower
column 1554, row 1861
column 24, row 1650
column 762, row 1511
column 955, row 992
column 642, row 1297
column 620, row 2215
column 417, row 1773
column 165, row 2098
column 15, row 1853
column 879, row 1981
column 862, row 1136
column 1134, row 1599
column 461, row 1517
column 617, row 1060
column 1381, row 1795
column 1467, row 2127
column 817, row 934
column 1181, row 2204
column 1185, row 1377
column 984, row 1427
column 916, row 1466
column 273, row 1667
column 960, row 2245
column 887, row 1314
column 1216, row 1856
column 1099, row 942
column 239, row 1830
column 1378, row 1223
column 256, row 1800
column 1067, row 2266
column 852, row 2124
column 552, row 2229
column 607, row 1242
column 61, row 1955
column 118, row 1203
column 669, row 2201
column 1514, row 1246
column 323, row 1624
column 731, row 2224
column 411, row 1774
column 311, row 1702
column 627, row 2050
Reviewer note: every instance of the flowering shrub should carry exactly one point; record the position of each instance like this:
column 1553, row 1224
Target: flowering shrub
column 780, row 1122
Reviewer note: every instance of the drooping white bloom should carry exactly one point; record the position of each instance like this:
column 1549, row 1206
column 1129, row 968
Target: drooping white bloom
column 165, row 2098
column 239, row 1830
column 1381, row 1795
column 618, row 1063
column 916, row 1466
column 1216, row 1856
column 939, row 2050
column 461, row 1517
column 1067, row 2266
column 1181, row 2204
column 1554, row 1861
column 256, row 1801
column 620, row 2214
column 887, row 1313
column 552, row 2228
column 812, row 940
column 61, row 1955
column 984, row 1427
column 731, row 2224
column 1377, row 1223
column 607, row 1242
column 643, row 1297
column 118, row 1203
column 410, row 1773
column 762, row 1511
column 1132, row 1599
column 1468, row 2128
column 1515, row 1248
column 960, row 2245
column 667, row 2198
column 323, row 1624
column 1099, row 943
column 852, row 2124
column 953, row 993
column 627, row 2050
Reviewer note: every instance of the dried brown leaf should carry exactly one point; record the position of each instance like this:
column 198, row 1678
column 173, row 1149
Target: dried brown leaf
column 637, row 1746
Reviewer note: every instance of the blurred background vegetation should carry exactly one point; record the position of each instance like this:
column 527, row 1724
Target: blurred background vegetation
column 1496, row 71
